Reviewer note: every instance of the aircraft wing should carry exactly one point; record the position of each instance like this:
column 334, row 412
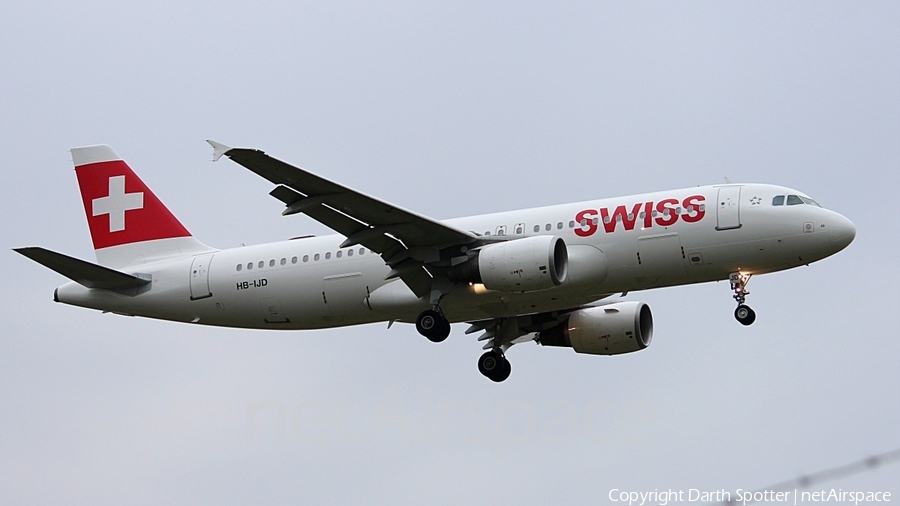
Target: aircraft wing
column 406, row 240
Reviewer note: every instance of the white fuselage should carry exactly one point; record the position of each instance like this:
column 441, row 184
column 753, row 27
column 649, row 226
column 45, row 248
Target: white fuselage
column 312, row 283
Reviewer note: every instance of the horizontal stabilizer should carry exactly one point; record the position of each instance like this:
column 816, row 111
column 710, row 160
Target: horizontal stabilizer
column 84, row 273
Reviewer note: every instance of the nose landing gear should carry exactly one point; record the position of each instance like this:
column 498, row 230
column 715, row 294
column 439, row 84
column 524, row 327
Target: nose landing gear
column 433, row 325
column 743, row 314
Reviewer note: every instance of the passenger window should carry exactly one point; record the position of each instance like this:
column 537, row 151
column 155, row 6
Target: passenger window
column 316, row 258
column 294, row 260
column 305, row 258
column 327, row 255
column 596, row 221
column 272, row 263
column 349, row 252
column 283, row 261
column 537, row 228
column 778, row 200
column 571, row 224
column 339, row 253
column 261, row 264
column 548, row 227
column 239, row 266
column 249, row 265
column 520, row 228
column 362, row 250
column 501, row 230
column 793, row 200
column 559, row 226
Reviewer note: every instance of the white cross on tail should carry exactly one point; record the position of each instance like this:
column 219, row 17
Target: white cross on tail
column 116, row 203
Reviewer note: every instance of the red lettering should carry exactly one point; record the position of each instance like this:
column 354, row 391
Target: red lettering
column 693, row 203
column 690, row 212
column 668, row 213
column 620, row 214
column 589, row 227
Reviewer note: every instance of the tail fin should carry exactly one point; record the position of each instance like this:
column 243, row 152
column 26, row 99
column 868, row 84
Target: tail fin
column 129, row 224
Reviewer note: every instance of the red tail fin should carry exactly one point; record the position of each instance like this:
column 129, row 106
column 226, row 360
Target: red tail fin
column 121, row 210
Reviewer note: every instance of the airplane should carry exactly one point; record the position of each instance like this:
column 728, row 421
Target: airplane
column 543, row 274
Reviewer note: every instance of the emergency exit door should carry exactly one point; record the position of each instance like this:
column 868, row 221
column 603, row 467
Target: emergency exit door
column 728, row 208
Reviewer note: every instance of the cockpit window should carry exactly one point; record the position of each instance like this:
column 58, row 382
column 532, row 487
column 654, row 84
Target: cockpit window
column 794, row 200
column 807, row 200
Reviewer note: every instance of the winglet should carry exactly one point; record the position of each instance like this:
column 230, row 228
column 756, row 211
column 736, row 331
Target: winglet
column 218, row 149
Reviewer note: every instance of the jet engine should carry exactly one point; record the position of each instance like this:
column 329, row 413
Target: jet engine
column 622, row 327
column 519, row 265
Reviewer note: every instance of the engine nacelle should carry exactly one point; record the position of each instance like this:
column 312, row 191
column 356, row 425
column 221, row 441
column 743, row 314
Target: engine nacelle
column 622, row 327
column 519, row 265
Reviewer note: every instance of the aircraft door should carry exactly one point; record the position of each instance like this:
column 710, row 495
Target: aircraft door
column 200, row 277
column 660, row 259
column 343, row 294
column 272, row 309
column 728, row 212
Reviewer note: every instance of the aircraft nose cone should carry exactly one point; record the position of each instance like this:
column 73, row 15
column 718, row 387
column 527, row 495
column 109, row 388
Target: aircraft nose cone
column 842, row 232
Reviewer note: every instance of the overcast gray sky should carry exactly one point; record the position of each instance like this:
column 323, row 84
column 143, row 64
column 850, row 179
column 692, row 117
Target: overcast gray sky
column 448, row 110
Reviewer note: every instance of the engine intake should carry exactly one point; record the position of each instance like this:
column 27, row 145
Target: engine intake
column 520, row 265
column 622, row 327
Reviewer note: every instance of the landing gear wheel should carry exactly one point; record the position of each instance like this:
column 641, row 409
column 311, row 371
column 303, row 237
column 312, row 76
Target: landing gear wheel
column 744, row 314
column 494, row 366
column 433, row 325
column 504, row 373
column 444, row 333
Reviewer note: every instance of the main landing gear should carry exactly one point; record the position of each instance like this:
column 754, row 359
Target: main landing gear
column 494, row 366
column 432, row 324
column 743, row 313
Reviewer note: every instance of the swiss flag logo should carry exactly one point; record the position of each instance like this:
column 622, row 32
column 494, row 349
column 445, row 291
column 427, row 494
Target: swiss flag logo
column 120, row 208
column 116, row 203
